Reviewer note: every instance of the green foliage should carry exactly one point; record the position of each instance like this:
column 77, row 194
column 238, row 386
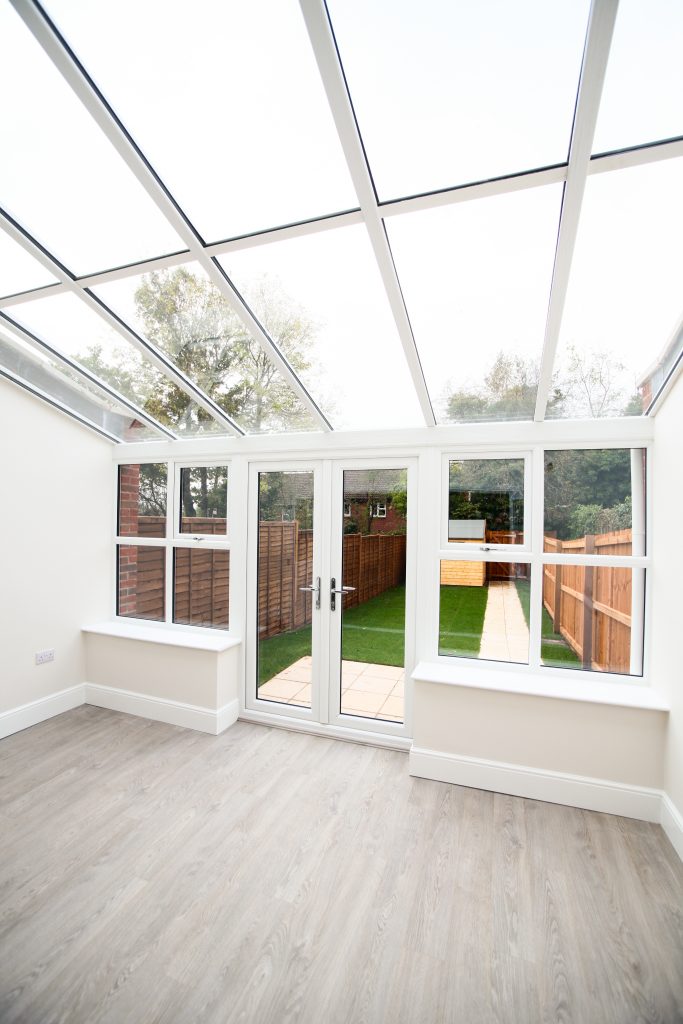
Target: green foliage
column 204, row 491
column 508, row 393
column 186, row 317
column 152, row 493
column 598, row 477
column 554, row 650
column 490, row 489
column 591, row 519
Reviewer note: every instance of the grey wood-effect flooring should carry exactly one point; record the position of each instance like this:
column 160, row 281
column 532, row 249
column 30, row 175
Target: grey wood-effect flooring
column 153, row 874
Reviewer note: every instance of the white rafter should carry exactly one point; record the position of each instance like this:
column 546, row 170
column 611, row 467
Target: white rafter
column 327, row 58
column 84, row 88
column 36, row 343
column 51, row 400
column 598, row 40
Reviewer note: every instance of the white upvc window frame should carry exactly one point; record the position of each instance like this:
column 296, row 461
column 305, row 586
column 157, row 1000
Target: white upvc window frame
column 174, row 538
column 532, row 553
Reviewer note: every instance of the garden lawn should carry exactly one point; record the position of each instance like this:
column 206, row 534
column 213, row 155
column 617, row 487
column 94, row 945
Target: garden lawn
column 554, row 651
column 461, row 620
column 372, row 632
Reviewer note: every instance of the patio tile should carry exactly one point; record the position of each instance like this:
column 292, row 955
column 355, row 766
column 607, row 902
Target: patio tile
column 297, row 673
column 366, row 703
column 280, row 689
column 393, row 706
column 372, row 684
column 389, row 718
column 398, row 690
column 386, row 671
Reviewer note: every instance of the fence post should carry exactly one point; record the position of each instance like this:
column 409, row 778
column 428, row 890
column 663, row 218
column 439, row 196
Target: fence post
column 587, row 651
column 557, row 606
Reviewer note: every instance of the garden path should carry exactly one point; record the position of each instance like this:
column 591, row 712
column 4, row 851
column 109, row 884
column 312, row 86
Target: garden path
column 505, row 636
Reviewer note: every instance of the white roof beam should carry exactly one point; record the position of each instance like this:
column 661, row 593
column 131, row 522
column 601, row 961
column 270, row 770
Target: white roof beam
column 32, row 389
column 36, row 342
column 329, row 65
column 85, row 89
column 598, row 40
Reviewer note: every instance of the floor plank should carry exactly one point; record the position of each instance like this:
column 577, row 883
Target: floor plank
column 154, row 874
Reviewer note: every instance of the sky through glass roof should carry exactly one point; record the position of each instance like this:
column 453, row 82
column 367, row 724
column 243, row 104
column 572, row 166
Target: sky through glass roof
column 241, row 111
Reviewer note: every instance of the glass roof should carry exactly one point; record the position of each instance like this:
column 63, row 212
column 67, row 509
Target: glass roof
column 288, row 296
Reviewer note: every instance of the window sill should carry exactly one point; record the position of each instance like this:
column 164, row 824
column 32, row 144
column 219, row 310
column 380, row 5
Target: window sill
column 594, row 691
column 215, row 640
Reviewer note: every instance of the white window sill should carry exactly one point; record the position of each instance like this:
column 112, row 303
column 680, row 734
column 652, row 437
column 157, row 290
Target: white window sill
column 590, row 691
column 214, row 640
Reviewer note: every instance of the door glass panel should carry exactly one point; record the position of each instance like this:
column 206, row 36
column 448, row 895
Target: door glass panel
column 374, row 522
column 285, row 565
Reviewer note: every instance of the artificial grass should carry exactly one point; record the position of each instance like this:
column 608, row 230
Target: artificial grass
column 461, row 620
column 554, row 650
column 373, row 631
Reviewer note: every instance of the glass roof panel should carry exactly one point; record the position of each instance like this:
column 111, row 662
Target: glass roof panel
column 476, row 279
column 181, row 312
column 66, row 386
column 226, row 102
column 60, row 177
column 70, row 327
column 322, row 296
column 448, row 93
column 642, row 98
column 18, row 270
column 624, row 300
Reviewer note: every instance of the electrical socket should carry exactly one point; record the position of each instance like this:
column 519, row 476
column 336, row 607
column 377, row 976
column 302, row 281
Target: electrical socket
column 43, row 656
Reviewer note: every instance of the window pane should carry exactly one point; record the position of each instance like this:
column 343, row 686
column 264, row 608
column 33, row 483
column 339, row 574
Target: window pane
column 623, row 305
column 486, row 501
column 63, row 384
column 70, row 326
column 325, row 299
column 594, row 501
column 142, row 500
column 201, row 587
column 483, row 611
column 240, row 131
column 589, row 613
column 18, row 270
column 641, row 97
column 204, row 500
column 60, row 177
column 141, row 581
column 181, row 312
column 285, row 565
column 476, row 279
column 448, row 93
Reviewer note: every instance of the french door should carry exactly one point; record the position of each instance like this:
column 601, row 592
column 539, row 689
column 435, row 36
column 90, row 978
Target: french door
column 331, row 565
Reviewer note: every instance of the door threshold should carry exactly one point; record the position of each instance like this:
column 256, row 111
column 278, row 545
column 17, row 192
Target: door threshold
column 335, row 732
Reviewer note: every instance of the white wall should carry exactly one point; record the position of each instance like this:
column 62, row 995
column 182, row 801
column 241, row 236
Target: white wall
column 667, row 582
column 56, row 561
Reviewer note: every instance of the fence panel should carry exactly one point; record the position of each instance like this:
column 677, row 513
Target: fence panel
column 591, row 605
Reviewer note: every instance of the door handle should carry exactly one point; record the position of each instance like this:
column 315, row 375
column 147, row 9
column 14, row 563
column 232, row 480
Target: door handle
column 334, row 591
column 314, row 590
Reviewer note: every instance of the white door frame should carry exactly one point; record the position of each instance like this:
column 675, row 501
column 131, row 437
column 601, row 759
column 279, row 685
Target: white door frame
column 324, row 714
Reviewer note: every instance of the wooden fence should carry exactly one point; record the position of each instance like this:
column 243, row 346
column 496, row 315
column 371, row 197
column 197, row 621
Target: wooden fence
column 372, row 564
column 591, row 605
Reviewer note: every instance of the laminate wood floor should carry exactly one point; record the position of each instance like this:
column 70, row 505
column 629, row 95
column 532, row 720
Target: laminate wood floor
column 153, row 874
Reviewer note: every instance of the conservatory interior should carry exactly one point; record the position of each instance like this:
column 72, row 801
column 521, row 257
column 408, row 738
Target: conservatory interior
column 341, row 405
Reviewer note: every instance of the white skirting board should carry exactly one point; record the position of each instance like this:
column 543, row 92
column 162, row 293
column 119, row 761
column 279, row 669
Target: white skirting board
column 672, row 823
column 173, row 713
column 537, row 784
column 170, row 711
column 40, row 710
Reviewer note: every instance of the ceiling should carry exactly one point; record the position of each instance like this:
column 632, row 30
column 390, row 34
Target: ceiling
column 274, row 216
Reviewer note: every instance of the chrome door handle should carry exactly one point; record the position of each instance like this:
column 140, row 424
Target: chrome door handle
column 314, row 590
column 337, row 590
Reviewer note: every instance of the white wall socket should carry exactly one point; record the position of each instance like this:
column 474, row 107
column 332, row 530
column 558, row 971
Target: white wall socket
column 43, row 656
